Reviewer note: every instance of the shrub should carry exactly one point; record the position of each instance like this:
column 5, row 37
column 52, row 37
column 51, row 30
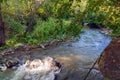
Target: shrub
column 56, row 29
column 105, row 13
column 11, row 42
column 45, row 30
column 15, row 26
column 74, row 28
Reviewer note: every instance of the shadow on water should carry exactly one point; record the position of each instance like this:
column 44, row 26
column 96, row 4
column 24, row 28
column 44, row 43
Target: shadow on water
column 76, row 57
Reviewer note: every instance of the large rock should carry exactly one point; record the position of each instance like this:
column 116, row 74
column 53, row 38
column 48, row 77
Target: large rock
column 109, row 63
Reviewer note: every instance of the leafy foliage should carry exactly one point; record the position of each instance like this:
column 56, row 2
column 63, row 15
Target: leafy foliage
column 47, row 30
column 106, row 13
column 11, row 42
column 15, row 26
column 1, row 1
column 57, row 19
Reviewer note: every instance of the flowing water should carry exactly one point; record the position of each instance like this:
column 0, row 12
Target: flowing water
column 76, row 57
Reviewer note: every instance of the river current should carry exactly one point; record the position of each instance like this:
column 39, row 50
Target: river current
column 76, row 57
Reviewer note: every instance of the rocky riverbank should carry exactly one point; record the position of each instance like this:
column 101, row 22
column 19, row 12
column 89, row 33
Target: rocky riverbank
column 9, row 58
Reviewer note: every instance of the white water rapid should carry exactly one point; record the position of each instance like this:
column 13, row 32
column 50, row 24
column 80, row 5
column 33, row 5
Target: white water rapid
column 37, row 69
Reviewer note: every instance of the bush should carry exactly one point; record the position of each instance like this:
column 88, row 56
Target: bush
column 15, row 26
column 55, row 29
column 44, row 30
column 11, row 42
column 105, row 13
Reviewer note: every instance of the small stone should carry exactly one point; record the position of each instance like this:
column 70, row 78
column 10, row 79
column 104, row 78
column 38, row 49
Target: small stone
column 42, row 46
column 12, row 52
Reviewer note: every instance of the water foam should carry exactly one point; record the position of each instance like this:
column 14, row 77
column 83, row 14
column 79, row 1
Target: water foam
column 37, row 70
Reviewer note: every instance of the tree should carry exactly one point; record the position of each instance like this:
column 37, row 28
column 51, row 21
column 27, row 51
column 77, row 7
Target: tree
column 36, row 5
column 2, row 32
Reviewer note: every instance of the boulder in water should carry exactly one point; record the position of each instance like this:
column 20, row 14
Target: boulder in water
column 8, row 63
column 11, row 63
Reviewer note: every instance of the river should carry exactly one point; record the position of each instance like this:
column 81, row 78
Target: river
column 76, row 57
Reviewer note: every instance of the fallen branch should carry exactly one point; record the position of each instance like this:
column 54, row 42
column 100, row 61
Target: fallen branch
column 90, row 70
column 97, row 61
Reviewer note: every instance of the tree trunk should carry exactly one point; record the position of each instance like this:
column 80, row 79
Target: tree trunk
column 2, row 33
column 29, row 26
column 36, row 6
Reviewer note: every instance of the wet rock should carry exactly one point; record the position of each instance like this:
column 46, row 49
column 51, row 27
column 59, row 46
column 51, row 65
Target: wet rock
column 9, row 63
column 7, row 51
column 42, row 46
column 19, row 46
column 3, row 67
column 106, row 31
column 109, row 63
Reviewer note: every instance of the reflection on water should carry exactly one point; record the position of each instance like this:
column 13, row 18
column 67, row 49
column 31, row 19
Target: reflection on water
column 76, row 57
